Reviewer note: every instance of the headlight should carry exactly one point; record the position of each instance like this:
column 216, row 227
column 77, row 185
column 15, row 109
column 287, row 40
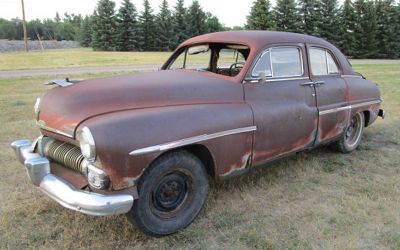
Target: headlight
column 36, row 107
column 87, row 145
column 97, row 178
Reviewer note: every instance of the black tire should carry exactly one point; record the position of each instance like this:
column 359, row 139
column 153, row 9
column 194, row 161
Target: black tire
column 171, row 194
column 351, row 138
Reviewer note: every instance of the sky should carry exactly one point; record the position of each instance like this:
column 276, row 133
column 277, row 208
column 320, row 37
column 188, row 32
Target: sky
column 230, row 12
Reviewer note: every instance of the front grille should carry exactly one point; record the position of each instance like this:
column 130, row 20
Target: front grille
column 65, row 154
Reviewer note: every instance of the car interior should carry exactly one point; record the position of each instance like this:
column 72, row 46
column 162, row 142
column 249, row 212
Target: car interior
column 219, row 58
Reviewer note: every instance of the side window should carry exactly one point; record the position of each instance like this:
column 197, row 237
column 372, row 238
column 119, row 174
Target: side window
column 286, row 62
column 280, row 62
column 322, row 62
column 263, row 65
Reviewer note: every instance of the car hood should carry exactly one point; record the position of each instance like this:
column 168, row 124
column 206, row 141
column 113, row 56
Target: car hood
column 62, row 109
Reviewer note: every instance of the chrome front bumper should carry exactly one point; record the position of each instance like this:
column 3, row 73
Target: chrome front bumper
column 38, row 169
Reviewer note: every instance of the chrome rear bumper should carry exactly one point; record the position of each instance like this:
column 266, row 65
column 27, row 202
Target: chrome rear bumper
column 38, row 169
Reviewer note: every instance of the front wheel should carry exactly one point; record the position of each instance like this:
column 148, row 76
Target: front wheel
column 171, row 194
column 351, row 138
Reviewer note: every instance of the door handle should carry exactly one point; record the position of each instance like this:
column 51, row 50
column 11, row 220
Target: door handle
column 319, row 83
column 308, row 84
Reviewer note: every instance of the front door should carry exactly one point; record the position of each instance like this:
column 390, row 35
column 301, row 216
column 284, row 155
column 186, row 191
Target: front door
column 284, row 106
column 331, row 94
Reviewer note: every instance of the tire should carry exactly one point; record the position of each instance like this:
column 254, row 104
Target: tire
column 171, row 194
column 351, row 138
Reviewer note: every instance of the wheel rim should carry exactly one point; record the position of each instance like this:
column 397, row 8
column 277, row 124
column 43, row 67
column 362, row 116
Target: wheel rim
column 353, row 131
column 171, row 194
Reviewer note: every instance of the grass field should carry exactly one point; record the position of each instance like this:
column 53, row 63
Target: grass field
column 314, row 200
column 77, row 58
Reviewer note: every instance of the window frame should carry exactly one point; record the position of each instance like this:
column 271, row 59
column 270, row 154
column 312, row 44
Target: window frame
column 269, row 49
column 327, row 51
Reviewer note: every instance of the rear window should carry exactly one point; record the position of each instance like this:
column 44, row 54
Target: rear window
column 322, row 62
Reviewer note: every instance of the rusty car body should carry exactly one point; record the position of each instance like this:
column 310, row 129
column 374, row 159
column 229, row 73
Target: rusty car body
column 107, row 144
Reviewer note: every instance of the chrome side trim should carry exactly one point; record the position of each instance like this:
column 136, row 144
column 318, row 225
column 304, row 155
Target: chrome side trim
column 334, row 110
column 365, row 104
column 44, row 127
column 351, row 76
column 255, row 80
column 328, row 111
column 191, row 140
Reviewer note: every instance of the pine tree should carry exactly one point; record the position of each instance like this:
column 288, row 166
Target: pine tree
column 179, row 23
column 127, row 27
column 85, row 34
column 328, row 26
column 365, row 29
column 285, row 14
column 310, row 17
column 147, row 28
column 212, row 23
column 346, row 29
column 196, row 20
column 386, row 29
column 103, row 37
column 164, row 28
column 260, row 17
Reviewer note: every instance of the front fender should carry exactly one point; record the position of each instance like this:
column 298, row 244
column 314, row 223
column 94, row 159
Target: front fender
column 117, row 134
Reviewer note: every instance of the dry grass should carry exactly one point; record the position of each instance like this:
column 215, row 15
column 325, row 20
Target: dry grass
column 78, row 58
column 318, row 199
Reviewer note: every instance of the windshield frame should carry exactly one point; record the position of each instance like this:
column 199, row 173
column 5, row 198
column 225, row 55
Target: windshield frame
column 184, row 49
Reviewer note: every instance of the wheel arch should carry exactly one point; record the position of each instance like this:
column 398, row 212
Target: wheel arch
column 198, row 150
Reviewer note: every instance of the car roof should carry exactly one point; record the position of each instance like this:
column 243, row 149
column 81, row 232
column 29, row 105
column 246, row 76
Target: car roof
column 256, row 39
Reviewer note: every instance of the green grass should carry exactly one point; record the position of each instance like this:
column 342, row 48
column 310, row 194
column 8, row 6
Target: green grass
column 78, row 58
column 314, row 200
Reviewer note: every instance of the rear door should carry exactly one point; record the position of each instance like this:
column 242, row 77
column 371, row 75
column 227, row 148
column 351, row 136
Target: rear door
column 331, row 91
column 284, row 106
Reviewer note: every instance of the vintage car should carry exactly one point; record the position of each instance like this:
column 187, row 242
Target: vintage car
column 147, row 144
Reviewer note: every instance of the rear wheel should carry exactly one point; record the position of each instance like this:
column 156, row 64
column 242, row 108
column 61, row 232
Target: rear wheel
column 171, row 194
column 351, row 138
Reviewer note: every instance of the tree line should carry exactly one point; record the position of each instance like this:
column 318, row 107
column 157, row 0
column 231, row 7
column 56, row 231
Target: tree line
column 124, row 29
column 360, row 28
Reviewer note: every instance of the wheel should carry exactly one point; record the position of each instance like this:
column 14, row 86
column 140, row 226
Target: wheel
column 171, row 194
column 351, row 138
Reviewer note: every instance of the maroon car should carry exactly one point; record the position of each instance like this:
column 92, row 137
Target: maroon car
column 146, row 144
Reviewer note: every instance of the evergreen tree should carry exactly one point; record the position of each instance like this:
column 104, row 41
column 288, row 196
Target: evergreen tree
column 85, row 34
column 212, row 23
column 103, row 37
column 164, row 28
column 285, row 14
column 260, row 17
column 179, row 23
column 147, row 28
column 365, row 29
column 127, row 27
column 346, row 29
column 329, row 21
column 310, row 17
column 196, row 20
column 386, row 29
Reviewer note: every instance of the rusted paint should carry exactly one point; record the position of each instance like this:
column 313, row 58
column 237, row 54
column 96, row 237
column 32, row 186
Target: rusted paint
column 135, row 111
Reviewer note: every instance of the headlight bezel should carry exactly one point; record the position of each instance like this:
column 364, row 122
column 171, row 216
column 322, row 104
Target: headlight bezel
column 87, row 144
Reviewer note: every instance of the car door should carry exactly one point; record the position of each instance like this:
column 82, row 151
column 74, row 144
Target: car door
column 331, row 90
column 284, row 105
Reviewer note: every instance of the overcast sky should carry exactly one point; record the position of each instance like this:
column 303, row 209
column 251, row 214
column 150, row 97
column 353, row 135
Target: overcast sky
column 229, row 12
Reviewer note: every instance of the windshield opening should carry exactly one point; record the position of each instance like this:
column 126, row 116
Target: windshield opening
column 218, row 58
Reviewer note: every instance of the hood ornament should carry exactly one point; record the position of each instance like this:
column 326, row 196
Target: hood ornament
column 62, row 83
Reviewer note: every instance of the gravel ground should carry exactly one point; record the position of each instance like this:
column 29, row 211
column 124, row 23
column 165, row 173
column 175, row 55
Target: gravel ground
column 14, row 45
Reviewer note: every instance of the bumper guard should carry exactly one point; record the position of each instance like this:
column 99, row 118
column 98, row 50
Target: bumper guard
column 38, row 170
